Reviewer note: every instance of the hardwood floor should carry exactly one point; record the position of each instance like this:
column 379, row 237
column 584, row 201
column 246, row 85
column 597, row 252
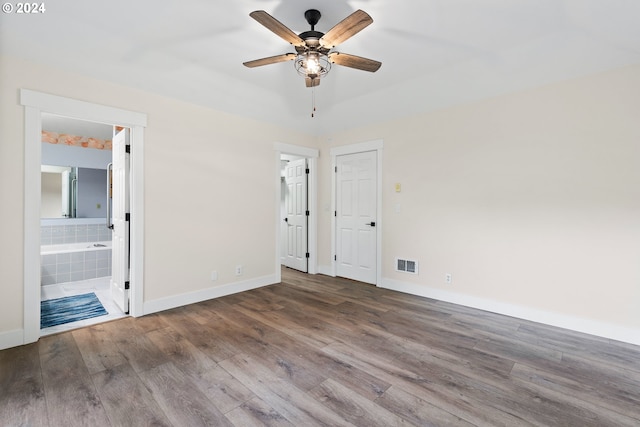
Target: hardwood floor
column 315, row 350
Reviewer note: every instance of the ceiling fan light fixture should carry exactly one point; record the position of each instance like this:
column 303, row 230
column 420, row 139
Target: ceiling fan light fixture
column 312, row 64
column 314, row 55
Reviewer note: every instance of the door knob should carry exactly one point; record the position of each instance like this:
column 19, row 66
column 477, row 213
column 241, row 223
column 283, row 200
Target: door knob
column 372, row 224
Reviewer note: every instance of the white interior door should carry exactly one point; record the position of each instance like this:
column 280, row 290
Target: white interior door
column 356, row 180
column 120, row 226
column 296, row 215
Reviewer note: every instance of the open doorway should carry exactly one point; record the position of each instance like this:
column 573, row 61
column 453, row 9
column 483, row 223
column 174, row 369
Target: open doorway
column 75, row 237
column 296, row 211
column 35, row 105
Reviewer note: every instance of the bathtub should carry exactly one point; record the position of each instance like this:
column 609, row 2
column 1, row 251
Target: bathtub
column 75, row 247
column 72, row 262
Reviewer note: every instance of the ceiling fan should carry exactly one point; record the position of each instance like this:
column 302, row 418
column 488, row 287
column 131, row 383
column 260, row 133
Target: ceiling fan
column 314, row 54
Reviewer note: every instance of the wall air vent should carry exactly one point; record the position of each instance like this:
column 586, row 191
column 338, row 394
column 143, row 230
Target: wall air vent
column 406, row 265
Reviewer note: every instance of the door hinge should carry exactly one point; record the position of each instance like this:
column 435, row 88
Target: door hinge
column 127, row 149
column 306, row 171
column 335, row 257
column 307, row 254
column 127, row 216
column 335, row 213
column 307, row 213
column 126, row 285
column 336, row 169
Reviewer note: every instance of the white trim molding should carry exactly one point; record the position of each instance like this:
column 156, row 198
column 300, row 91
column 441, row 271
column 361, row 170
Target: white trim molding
column 577, row 324
column 297, row 150
column 10, row 339
column 36, row 103
column 326, row 270
column 174, row 301
column 83, row 110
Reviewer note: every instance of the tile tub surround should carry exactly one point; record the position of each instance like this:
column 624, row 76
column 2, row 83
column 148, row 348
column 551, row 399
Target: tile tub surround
column 71, row 267
column 73, row 233
column 74, row 266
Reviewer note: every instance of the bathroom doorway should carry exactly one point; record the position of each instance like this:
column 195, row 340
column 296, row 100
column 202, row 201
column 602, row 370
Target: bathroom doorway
column 78, row 209
column 75, row 240
column 36, row 104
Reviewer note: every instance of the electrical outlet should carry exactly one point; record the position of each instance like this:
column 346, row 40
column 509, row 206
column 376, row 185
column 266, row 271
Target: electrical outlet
column 214, row 275
column 238, row 270
column 447, row 278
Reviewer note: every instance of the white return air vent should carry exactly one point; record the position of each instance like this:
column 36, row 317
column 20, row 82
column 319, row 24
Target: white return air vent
column 406, row 265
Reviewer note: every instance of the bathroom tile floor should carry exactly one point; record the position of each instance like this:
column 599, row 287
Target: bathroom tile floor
column 101, row 288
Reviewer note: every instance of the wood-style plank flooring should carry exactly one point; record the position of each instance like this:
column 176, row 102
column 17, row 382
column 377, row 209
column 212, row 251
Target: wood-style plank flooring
column 316, row 350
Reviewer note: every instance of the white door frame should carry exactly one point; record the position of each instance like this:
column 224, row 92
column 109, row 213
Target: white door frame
column 35, row 103
column 375, row 145
column 312, row 155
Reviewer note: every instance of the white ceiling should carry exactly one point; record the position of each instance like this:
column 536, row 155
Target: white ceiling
column 434, row 53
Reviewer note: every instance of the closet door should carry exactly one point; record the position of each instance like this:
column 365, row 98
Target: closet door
column 356, row 240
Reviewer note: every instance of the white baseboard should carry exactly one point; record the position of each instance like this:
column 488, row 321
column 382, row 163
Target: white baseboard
column 592, row 327
column 10, row 339
column 326, row 270
column 174, row 301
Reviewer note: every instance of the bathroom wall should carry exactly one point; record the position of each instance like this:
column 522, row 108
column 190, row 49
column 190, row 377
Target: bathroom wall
column 66, row 155
column 55, row 232
column 92, row 193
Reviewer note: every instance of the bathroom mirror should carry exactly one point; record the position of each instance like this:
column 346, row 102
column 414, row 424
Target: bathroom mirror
column 75, row 157
column 54, row 201
column 73, row 192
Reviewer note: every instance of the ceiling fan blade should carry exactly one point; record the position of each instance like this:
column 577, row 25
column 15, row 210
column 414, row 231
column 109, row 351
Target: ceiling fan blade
column 277, row 27
column 345, row 29
column 270, row 60
column 353, row 61
column 311, row 82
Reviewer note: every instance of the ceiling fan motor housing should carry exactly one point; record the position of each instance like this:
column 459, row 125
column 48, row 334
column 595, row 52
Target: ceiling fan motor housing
column 312, row 36
column 312, row 16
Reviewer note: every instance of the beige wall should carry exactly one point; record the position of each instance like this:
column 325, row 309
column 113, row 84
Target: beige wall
column 209, row 179
column 530, row 201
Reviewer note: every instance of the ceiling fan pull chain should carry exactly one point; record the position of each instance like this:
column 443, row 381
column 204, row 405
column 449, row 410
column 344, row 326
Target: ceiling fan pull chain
column 313, row 101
